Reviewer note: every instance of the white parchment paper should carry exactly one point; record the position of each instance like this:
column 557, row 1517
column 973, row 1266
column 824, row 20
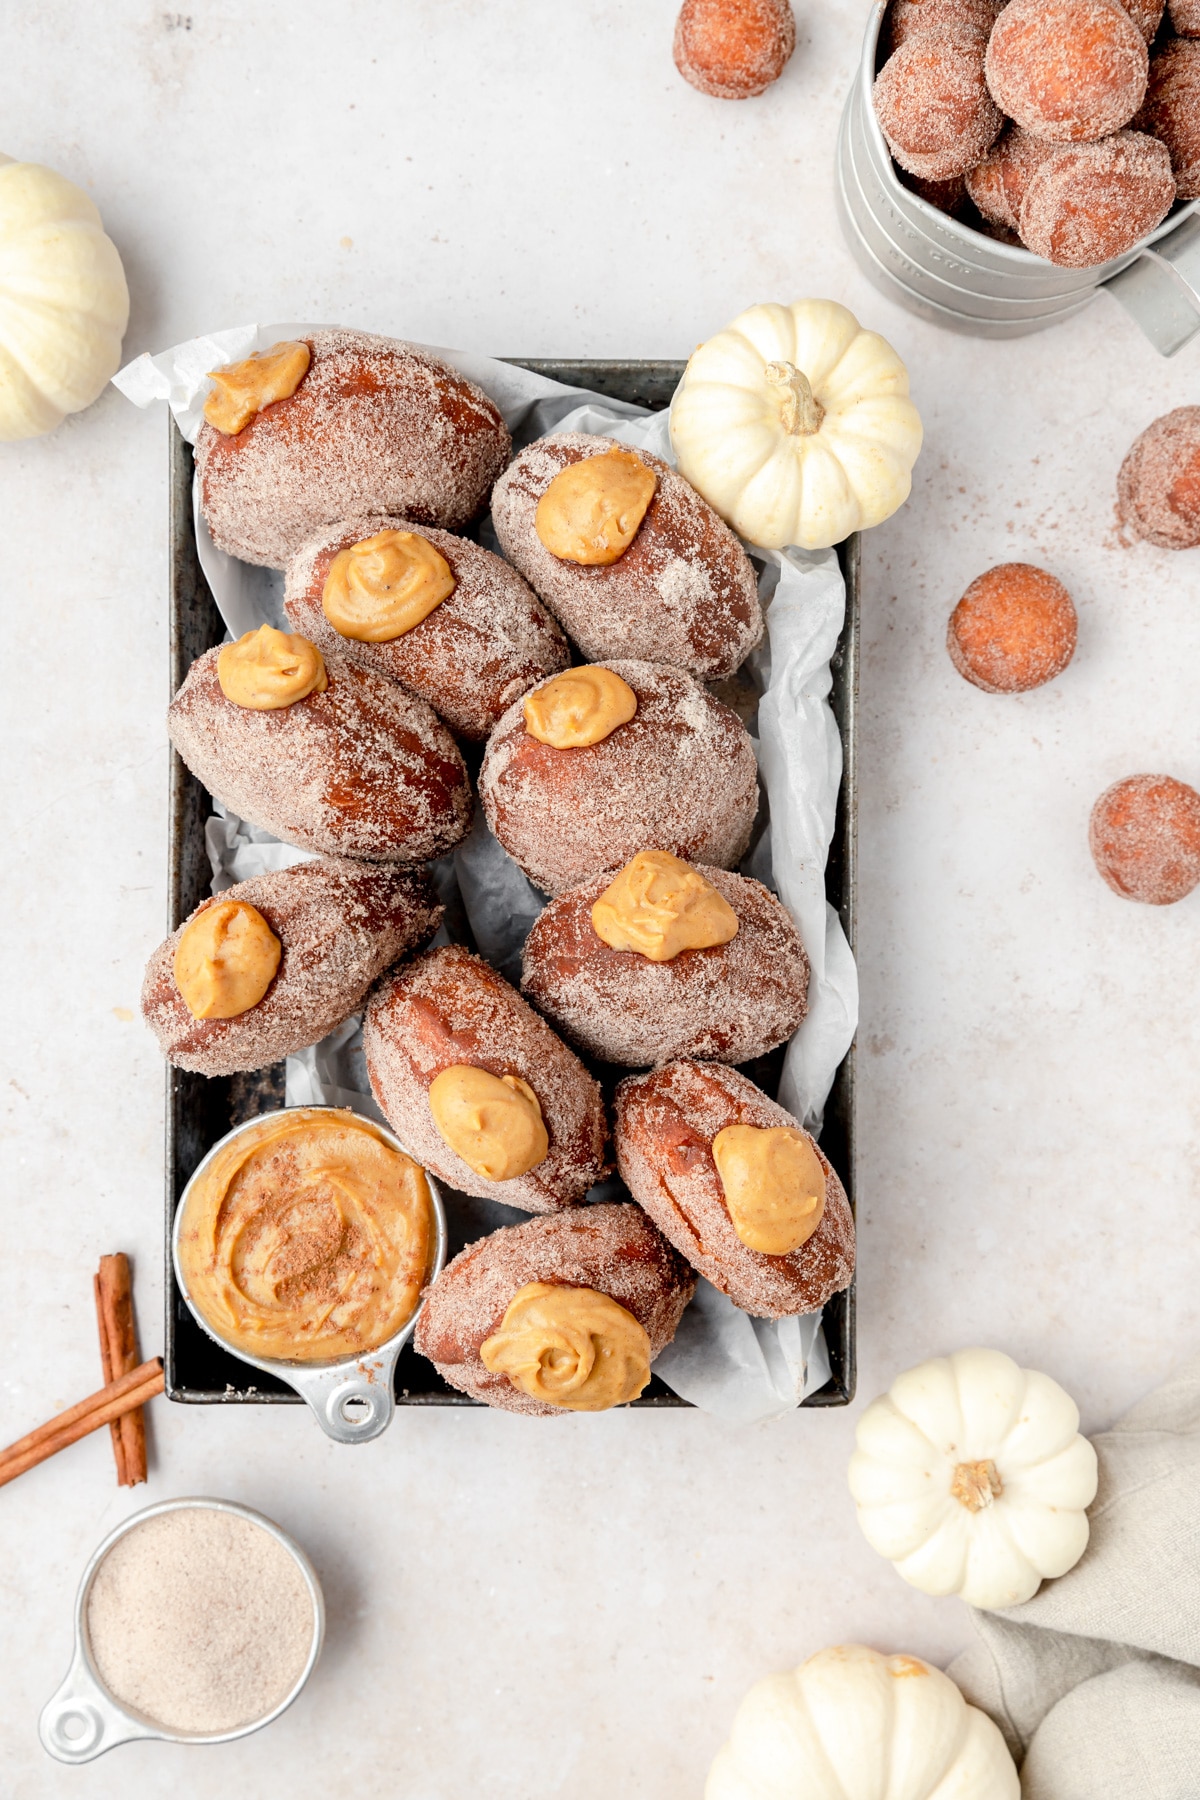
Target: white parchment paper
column 724, row 1361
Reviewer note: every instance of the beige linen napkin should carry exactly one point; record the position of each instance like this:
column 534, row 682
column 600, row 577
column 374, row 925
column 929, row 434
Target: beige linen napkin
column 1095, row 1682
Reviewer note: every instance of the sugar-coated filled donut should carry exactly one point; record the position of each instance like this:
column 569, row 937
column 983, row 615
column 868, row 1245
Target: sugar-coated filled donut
column 1158, row 488
column 1068, row 70
column 733, row 49
column 680, row 775
column 611, row 1248
column 1090, row 202
column 471, row 656
column 997, row 184
column 933, row 104
column 339, row 925
column 733, row 1001
column 665, row 1124
column 1144, row 835
column 359, row 769
column 1172, row 111
column 1014, row 629
column 683, row 592
column 448, row 1009
column 375, row 426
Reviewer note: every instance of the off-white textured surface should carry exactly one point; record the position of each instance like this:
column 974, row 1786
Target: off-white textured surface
column 575, row 1608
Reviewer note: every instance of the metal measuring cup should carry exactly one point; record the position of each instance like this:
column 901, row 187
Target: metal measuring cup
column 944, row 271
column 83, row 1719
column 351, row 1396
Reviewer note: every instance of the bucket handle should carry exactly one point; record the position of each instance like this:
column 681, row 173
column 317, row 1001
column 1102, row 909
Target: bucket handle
column 1161, row 287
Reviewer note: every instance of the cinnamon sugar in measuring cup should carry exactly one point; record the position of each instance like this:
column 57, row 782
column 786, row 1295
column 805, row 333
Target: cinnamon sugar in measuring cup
column 197, row 1621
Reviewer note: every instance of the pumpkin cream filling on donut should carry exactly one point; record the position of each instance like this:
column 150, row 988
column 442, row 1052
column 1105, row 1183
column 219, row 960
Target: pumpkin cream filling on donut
column 225, row 960
column 579, row 707
column 243, row 389
column 571, row 1347
column 308, row 1238
column 591, row 512
column 266, row 670
column 774, row 1185
column 493, row 1122
column 382, row 587
column 660, row 906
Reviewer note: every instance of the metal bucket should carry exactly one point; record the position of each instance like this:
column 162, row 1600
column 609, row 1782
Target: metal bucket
column 954, row 276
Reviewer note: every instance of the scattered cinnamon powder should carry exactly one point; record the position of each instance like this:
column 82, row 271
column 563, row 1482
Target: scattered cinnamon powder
column 200, row 1619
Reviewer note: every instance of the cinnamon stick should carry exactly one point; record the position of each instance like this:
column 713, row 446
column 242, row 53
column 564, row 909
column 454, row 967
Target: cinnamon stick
column 118, row 1355
column 111, row 1402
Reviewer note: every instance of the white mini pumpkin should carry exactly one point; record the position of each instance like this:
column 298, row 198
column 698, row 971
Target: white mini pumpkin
column 64, row 304
column 796, row 425
column 971, row 1477
column 850, row 1724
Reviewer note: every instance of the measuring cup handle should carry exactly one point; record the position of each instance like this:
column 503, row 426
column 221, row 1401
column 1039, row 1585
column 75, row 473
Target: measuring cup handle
column 353, row 1402
column 80, row 1722
column 1161, row 287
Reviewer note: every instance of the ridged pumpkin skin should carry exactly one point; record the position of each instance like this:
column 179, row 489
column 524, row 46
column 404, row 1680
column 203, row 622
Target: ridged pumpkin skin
column 778, row 478
column 64, row 304
column 850, row 1724
column 971, row 1477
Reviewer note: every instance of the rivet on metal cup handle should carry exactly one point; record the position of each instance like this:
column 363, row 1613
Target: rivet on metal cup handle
column 959, row 278
column 353, row 1402
column 80, row 1721
column 352, row 1399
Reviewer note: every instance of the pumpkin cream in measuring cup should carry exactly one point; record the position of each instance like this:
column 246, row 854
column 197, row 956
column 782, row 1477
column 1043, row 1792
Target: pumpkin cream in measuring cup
column 308, row 1238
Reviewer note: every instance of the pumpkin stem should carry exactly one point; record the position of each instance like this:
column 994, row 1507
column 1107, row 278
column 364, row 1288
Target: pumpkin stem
column 799, row 407
column 976, row 1485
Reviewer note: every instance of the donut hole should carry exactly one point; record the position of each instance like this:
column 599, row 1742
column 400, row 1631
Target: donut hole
column 1144, row 836
column 1088, row 203
column 1158, row 489
column 1172, row 111
column 1014, row 629
column 1068, row 70
column 933, row 104
column 733, row 49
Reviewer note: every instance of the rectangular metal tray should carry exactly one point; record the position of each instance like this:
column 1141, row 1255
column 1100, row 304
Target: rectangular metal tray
column 200, row 1109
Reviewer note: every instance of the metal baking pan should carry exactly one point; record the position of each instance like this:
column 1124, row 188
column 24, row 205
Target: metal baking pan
column 201, row 1109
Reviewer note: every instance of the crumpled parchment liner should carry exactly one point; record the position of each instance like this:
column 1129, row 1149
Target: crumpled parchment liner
column 722, row 1360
